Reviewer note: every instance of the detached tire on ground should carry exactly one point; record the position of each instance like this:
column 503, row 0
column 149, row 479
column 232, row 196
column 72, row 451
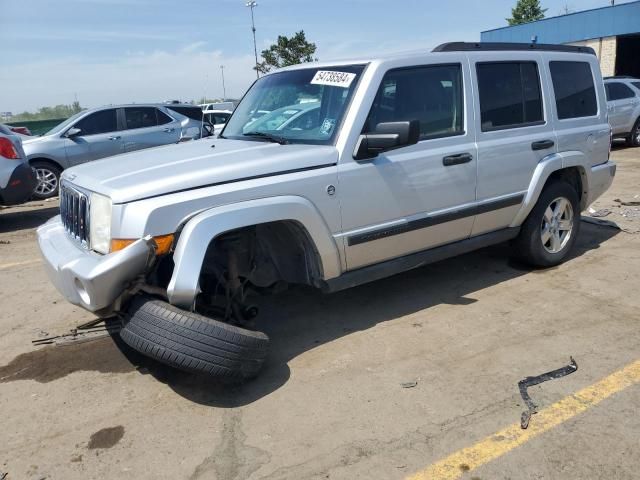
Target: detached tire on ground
column 191, row 342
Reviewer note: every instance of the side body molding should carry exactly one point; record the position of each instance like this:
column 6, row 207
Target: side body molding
column 544, row 169
column 200, row 230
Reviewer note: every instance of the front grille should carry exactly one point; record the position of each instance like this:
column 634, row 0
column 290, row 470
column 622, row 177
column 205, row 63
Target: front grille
column 74, row 211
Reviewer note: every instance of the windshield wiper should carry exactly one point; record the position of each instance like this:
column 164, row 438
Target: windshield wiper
column 267, row 136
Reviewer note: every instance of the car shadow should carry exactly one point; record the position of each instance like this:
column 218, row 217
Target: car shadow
column 25, row 219
column 303, row 318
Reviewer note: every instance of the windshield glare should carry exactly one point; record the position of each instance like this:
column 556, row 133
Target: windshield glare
column 301, row 106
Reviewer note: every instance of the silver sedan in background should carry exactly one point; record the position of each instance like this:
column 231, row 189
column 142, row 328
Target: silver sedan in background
column 102, row 132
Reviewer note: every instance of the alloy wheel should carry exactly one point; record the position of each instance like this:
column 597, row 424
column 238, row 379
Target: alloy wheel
column 47, row 181
column 557, row 225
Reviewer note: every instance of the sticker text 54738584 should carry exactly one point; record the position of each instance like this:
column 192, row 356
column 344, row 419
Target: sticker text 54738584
column 334, row 79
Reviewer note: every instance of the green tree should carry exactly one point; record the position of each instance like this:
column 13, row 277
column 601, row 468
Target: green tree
column 526, row 11
column 287, row 51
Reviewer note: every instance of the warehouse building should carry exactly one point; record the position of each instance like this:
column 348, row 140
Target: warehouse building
column 613, row 32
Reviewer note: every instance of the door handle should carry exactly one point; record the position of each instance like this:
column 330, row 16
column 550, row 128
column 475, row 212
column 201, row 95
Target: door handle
column 542, row 145
column 168, row 130
column 457, row 159
column 115, row 138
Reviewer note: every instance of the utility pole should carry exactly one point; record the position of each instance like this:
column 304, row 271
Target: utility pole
column 252, row 4
column 224, row 90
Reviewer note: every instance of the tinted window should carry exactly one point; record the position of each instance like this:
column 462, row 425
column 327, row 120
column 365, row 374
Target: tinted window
column 163, row 117
column 140, row 117
column 432, row 95
column 509, row 95
column 574, row 89
column 217, row 118
column 618, row 91
column 636, row 84
column 103, row 121
column 194, row 113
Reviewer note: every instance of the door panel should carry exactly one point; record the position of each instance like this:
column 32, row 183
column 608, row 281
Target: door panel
column 513, row 134
column 407, row 200
column 99, row 138
column 145, row 127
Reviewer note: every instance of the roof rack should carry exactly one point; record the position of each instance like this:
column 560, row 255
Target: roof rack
column 503, row 46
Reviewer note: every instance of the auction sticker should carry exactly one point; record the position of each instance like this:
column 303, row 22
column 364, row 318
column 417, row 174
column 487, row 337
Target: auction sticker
column 334, row 79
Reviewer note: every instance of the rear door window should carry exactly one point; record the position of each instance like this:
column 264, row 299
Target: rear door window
column 574, row 89
column 140, row 117
column 104, row 121
column 431, row 94
column 618, row 91
column 510, row 95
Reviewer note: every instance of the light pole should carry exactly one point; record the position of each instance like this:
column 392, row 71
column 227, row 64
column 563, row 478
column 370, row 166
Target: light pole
column 224, row 90
column 252, row 4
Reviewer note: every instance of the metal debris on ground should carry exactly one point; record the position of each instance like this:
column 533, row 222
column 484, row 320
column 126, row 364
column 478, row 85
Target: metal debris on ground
column 408, row 384
column 603, row 212
column 3, row 475
column 531, row 381
column 630, row 203
column 86, row 332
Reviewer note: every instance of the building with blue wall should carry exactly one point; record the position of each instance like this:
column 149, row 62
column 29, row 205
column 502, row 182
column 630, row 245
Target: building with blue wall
column 613, row 32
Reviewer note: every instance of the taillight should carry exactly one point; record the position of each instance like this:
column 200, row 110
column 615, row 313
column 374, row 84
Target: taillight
column 610, row 140
column 7, row 150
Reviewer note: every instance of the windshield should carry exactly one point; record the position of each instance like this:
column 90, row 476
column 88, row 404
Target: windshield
column 299, row 106
column 61, row 126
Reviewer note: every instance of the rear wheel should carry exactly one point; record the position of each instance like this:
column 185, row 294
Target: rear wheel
column 634, row 138
column 48, row 180
column 550, row 231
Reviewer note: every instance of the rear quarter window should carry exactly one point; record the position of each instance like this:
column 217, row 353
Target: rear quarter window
column 636, row 84
column 194, row 113
column 574, row 89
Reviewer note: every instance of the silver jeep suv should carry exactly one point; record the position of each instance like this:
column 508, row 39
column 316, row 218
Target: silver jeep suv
column 102, row 132
column 402, row 161
column 623, row 103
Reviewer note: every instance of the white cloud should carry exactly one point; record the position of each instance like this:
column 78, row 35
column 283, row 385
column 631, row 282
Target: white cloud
column 137, row 77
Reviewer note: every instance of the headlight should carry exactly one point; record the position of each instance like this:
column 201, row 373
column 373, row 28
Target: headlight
column 100, row 223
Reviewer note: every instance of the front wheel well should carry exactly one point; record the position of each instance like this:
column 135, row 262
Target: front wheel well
column 46, row 160
column 265, row 254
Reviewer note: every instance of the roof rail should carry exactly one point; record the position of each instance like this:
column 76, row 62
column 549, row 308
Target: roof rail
column 503, row 46
column 621, row 77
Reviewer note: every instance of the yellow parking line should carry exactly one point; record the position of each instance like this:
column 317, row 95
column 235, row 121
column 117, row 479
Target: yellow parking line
column 5, row 266
column 496, row 445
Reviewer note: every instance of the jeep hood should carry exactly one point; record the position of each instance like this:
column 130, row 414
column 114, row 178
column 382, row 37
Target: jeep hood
column 163, row 170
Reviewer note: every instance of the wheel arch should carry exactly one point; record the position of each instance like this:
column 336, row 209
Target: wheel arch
column 567, row 166
column 40, row 158
column 198, row 233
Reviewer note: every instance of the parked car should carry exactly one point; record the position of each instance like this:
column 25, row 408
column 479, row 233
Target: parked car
column 216, row 119
column 411, row 159
column 20, row 130
column 102, row 132
column 623, row 104
column 17, row 178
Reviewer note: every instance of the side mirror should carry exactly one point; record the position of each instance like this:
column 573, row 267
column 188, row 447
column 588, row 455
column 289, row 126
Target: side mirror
column 387, row 136
column 73, row 132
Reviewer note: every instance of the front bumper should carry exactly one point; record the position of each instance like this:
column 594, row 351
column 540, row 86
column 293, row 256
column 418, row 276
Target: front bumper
column 91, row 281
column 600, row 180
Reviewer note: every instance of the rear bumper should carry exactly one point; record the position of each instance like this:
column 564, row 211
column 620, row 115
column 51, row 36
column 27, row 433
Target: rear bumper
column 20, row 186
column 600, row 180
column 91, row 281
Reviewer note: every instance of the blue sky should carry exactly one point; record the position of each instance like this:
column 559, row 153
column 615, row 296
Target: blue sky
column 120, row 51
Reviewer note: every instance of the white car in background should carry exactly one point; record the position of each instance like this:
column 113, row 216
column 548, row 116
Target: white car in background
column 216, row 119
column 623, row 105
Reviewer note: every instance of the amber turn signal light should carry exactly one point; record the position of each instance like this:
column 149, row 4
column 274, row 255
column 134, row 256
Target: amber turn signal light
column 163, row 243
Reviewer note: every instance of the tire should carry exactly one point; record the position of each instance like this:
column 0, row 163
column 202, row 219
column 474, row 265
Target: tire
column 530, row 244
column 48, row 180
column 634, row 137
column 191, row 342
